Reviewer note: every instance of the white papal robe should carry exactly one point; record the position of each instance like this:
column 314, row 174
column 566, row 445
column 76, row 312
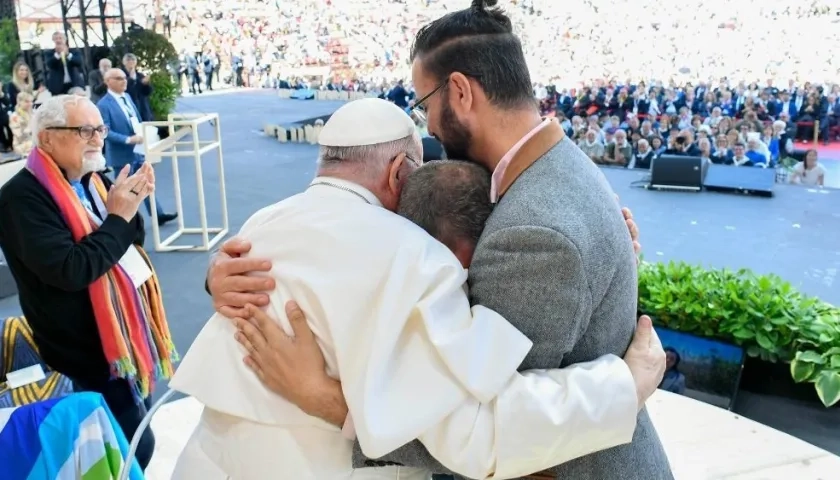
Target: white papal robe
column 389, row 307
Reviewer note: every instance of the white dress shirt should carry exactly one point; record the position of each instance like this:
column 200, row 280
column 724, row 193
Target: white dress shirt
column 389, row 307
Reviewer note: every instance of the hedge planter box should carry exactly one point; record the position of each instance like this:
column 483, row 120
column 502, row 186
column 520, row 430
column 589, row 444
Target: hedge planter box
column 792, row 340
column 766, row 378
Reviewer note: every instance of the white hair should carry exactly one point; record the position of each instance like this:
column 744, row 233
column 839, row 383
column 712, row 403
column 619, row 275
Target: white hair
column 77, row 91
column 52, row 113
column 369, row 160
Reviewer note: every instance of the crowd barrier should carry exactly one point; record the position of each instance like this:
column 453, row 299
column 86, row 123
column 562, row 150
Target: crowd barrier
column 309, row 94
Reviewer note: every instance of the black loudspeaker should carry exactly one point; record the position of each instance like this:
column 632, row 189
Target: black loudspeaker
column 747, row 180
column 677, row 172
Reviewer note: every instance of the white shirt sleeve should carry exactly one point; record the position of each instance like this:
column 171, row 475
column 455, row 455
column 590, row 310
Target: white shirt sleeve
column 446, row 375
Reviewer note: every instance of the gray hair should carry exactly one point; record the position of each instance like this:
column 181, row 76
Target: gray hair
column 448, row 199
column 129, row 56
column 370, row 159
column 52, row 113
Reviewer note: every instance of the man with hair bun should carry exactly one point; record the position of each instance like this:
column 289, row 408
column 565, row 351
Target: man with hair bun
column 553, row 257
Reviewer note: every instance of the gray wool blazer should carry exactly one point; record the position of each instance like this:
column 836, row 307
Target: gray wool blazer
column 556, row 260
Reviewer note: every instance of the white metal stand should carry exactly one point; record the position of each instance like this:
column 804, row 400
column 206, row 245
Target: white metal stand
column 180, row 126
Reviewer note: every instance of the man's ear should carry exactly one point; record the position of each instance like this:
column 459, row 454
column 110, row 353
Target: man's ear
column 43, row 139
column 396, row 173
column 462, row 88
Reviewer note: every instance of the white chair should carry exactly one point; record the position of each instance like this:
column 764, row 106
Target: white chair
column 135, row 440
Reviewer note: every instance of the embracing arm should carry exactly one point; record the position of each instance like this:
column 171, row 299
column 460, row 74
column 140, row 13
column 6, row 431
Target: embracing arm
column 540, row 418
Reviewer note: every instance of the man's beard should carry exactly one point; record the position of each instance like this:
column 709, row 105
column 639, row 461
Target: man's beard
column 95, row 163
column 456, row 142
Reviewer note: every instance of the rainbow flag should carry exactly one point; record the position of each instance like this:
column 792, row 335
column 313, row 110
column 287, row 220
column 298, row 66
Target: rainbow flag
column 70, row 438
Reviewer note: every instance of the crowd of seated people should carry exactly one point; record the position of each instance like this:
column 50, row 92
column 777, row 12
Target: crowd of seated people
column 630, row 125
column 731, row 111
column 635, row 144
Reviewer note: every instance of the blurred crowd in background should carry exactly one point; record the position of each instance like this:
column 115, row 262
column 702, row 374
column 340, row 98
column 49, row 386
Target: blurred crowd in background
column 367, row 42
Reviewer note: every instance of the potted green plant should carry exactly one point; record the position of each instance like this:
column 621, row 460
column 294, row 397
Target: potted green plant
column 9, row 47
column 790, row 338
column 155, row 55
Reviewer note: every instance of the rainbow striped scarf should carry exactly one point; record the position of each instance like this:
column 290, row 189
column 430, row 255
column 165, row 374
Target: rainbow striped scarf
column 132, row 323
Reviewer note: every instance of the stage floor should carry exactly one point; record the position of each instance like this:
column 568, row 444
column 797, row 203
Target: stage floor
column 795, row 234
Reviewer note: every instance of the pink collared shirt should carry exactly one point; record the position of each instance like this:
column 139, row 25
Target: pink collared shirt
column 499, row 172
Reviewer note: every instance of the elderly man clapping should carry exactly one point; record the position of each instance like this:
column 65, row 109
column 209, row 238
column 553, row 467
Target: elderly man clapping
column 73, row 241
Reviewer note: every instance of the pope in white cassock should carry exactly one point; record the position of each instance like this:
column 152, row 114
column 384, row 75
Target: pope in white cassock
column 389, row 306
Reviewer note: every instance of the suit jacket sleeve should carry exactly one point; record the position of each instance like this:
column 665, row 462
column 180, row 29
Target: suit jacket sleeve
column 97, row 84
column 535, row 420
column 108, row 119
column 143, row 89
column 54, row 61
column 45, row 245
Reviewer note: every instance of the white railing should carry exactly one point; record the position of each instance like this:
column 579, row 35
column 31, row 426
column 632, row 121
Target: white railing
column 174, row 147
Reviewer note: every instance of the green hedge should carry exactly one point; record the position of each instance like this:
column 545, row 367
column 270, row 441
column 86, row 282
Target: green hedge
column 764, row 314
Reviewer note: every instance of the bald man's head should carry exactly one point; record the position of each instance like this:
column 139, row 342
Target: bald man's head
column 115, row 80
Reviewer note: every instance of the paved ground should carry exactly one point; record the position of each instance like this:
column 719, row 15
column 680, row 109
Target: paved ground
column 794, row 235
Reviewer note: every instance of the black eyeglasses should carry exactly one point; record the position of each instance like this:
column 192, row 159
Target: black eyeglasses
column 85, row 131
column 419, row 110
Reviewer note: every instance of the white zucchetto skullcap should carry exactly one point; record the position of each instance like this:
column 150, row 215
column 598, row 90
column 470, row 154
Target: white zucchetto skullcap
column 367, row 121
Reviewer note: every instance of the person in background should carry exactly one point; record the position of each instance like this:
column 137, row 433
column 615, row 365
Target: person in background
column 6, row 135
column 739, row 158
column 64, row 68
column 138, row 87
column 122, row 118
column 809, row 171
column 73, row 242
column 399, row 95
column 22, row 81
column 705, row 148
column 208, row 61
column 643, row 157
column 20, row 124
column 592, row 147
column 683, row 144
column 674, row 380
column 657, row 146
column 721, row 151
column 620, row 151
column 756, row 151
column 96, row 81
column 785, row 141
